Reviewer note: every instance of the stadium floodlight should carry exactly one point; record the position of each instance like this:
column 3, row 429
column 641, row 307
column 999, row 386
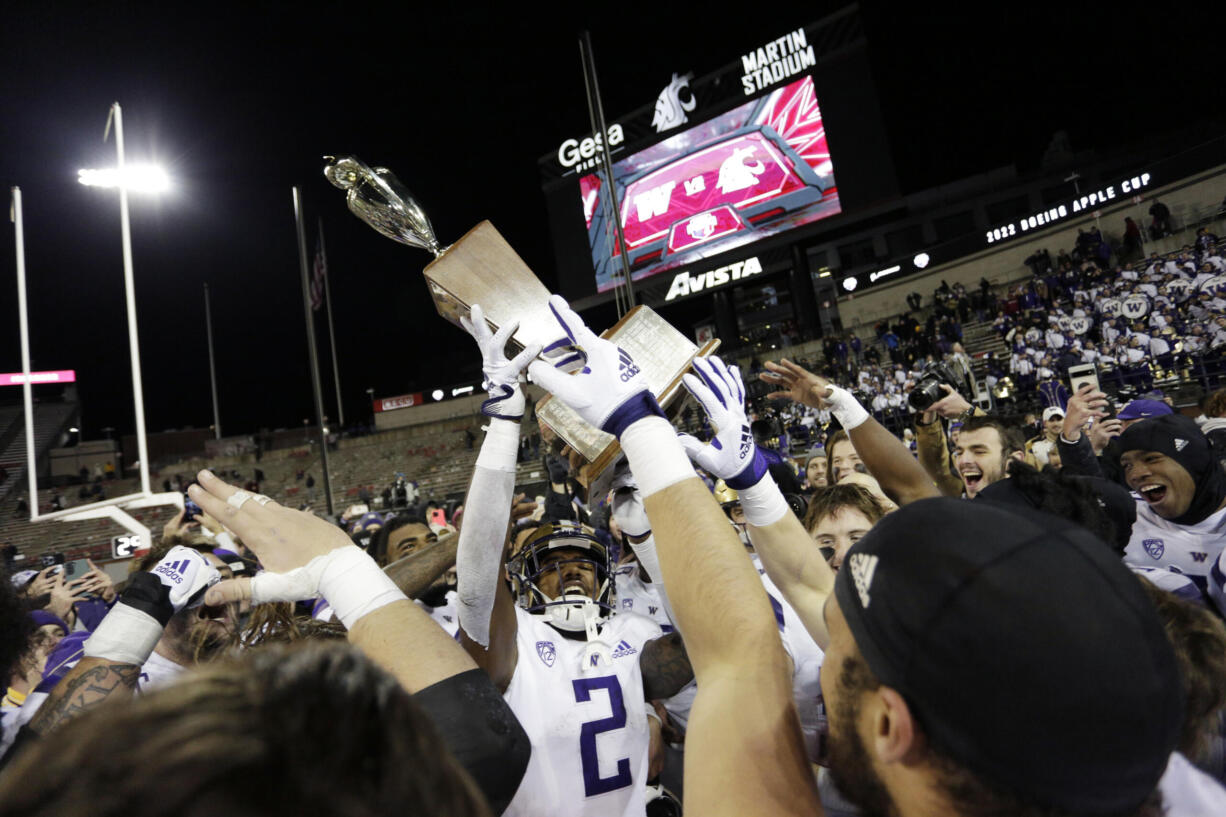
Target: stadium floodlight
column 456, row 392
column 921, row 260
column 133, row 178
column 437, row 394
column 850, row 284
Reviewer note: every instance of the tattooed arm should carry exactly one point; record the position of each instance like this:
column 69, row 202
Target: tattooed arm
column 89, row 683
column 665, row 667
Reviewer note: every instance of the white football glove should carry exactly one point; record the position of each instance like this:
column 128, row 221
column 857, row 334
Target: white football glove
column 506, row 397
column 610, row 391
column 731, row 455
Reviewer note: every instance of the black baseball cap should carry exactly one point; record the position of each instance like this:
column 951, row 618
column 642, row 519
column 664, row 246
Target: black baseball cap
column 1026, row 650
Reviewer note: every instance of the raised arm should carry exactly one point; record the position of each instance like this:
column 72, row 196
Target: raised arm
column 305, row 556
column 792, row 560
column 902, row 478
column 744, row 752
column 930, row 439
column 487, row 612
column 125, row 638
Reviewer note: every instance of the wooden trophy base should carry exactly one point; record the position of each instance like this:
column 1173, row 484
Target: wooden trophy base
column 482, row 268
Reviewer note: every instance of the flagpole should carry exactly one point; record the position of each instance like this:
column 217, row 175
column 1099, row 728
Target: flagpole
column 336, row 371
column 208, row 325
column 310, row 330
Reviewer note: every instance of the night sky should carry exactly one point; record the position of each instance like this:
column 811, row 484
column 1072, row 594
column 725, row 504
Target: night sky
column 240, row 102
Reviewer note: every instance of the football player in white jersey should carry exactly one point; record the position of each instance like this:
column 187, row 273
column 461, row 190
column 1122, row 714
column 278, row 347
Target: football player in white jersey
column 577, row 678
column 744, row 753
column 1181, row 489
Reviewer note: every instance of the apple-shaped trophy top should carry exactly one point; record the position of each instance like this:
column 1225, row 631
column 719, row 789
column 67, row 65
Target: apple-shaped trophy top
column 377, row 197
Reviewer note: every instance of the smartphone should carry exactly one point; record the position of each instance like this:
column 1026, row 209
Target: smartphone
column 190, row 509
column 76, row 569
column 1085, row 373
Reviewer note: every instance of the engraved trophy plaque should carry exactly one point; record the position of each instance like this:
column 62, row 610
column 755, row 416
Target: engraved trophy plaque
column 482, row 268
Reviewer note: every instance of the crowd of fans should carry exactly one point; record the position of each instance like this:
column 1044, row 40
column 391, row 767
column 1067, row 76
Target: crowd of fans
column 1159, row 317
column 814, row 597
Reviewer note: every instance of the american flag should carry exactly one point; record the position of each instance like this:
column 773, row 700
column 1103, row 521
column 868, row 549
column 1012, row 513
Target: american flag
column 319, row 271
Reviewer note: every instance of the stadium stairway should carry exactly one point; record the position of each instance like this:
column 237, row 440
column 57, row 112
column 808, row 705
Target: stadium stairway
column 50, row 420
column 980, row 338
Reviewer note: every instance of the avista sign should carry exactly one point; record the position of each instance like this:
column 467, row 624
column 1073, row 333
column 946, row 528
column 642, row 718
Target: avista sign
column 686, row 283
column 583, row 154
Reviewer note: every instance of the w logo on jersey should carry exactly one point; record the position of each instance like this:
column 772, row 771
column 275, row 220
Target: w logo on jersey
column 626, row 364
column 547, row 651
column 1154, row 547
column 174, row 571
column 623, row 649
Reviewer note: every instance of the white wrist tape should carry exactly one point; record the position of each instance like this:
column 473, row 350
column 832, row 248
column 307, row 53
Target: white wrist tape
column 845, row 407
column 645, row 552
column 763, row 502
column 354, row 585
column 656, row 457
column 126, row 636
column 478, row 558
column 500, row 448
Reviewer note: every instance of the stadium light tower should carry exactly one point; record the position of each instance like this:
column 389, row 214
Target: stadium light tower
column 138, row 178
column 115, row 509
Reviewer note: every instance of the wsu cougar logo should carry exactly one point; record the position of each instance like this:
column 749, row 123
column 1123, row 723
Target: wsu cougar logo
column 737, row 174
column 670, row 107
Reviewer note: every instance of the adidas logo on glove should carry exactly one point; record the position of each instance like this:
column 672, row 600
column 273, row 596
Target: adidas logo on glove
column 627, row 366
column 174, row 571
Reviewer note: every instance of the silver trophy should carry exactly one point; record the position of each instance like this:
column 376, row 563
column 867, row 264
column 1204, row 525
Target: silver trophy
column 377, row 197
column 482, row 268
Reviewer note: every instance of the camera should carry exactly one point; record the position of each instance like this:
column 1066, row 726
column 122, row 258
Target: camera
column 928, row 388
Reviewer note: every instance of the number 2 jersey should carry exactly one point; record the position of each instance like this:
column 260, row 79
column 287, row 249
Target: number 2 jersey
column 587, row 720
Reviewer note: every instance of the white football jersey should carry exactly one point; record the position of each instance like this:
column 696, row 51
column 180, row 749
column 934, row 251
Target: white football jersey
column 1189, row 549
column 446, row 615
column 637, row 596
column 586, row 718
column 1189, row 792
column 806, row 665
column 158, row 671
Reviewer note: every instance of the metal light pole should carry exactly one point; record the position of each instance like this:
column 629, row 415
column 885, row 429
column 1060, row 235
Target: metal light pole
column 138, row 392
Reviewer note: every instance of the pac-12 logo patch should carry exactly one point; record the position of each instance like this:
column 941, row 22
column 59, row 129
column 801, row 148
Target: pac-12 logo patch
column 547, row 652
column 1154, row 547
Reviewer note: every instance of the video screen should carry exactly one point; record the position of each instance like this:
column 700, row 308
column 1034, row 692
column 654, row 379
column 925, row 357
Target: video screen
column 755, row 171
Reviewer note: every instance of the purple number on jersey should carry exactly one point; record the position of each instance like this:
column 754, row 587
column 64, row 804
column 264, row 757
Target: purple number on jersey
column 593, row 783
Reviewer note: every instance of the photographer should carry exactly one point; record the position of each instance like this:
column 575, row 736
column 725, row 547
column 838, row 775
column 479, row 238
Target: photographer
column 931, row 446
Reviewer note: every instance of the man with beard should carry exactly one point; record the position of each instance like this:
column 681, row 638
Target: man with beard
column 967, row 672
column 984, row 449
